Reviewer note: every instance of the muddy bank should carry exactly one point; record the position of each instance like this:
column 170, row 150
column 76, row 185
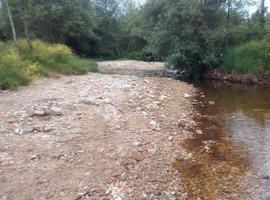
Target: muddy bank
column 98, row 136
column 235, row 77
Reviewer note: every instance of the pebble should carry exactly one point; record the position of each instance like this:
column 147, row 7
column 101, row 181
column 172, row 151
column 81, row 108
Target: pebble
column 136, row 156
column 152, row 151
column 35, row 157
column 163, row 97
column 144, row 113
column 47, row 129
column 154, row 125
column 55, row 111
column 27, row 130
column 30, row 112
column 186, row 95
column 136, row 144
column 12, row 120
column 39, row 112
column 18, row 131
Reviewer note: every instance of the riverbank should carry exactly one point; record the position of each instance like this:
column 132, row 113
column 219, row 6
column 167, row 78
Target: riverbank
column 235, row 77
column 96, row 136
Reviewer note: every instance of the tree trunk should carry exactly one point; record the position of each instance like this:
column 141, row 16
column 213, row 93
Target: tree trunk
column 262, row 14
column 26, row 29
column 12, row 25
column 229, row 4
column 117, row 50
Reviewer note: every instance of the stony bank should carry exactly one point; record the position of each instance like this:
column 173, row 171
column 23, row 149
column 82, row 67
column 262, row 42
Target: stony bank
column 97, row 136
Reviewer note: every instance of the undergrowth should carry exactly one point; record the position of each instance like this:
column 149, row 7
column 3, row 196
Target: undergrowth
column 252, row 57
column 20, row 68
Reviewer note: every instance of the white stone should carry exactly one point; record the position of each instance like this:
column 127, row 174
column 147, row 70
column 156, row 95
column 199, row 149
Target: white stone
column 55, row 111
column 211, row 103
column 39, row 112
column 152, row 151
column 186, row 95
column 136, row 144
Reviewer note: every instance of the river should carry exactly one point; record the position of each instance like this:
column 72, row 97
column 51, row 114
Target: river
column 230, row 147
column 228, row 154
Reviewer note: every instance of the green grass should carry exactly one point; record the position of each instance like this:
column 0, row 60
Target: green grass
column 252, row 58
column 45, row 59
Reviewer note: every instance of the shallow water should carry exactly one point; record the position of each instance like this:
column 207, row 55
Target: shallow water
column 229, row 152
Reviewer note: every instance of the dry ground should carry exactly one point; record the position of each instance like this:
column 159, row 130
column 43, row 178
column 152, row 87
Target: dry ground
column 96, row 136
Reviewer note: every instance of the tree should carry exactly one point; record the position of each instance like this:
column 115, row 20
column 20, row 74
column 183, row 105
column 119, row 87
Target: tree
column 14, row 34
column 262, row 13
column 186, row 32
column 24, row 12
column 109, row 27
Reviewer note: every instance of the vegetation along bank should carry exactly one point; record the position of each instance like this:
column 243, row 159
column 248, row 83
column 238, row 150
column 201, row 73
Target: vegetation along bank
column 189, row 35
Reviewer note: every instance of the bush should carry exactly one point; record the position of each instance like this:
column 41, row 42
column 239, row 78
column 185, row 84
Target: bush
column 133, row 56
column 21, row 68
column 252, row 57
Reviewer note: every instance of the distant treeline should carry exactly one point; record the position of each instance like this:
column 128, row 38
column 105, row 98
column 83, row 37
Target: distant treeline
column 188, row 34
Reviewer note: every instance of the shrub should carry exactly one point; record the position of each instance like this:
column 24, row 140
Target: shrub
column 133, row 55
column 252, row 57
column 21, row 68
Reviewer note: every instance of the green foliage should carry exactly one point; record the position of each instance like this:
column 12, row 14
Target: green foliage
column 252, row 57
column 188, row 34
column 20, row 69
column 12, row 77
column 73, row 22
column 133, row 55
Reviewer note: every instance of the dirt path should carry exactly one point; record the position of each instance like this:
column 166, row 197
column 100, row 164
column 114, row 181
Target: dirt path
column 93, row 137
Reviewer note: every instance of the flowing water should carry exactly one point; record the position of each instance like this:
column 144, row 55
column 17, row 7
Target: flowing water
column 229, row 153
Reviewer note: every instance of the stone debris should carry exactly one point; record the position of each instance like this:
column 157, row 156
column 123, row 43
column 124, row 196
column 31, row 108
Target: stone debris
column 152, row 151
column 55, row 111
column 99, row 130
column 136, row 144
column 154, row 125
column 116, row 192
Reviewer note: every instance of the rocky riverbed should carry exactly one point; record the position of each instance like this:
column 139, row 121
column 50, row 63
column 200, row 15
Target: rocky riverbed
column 98, row 136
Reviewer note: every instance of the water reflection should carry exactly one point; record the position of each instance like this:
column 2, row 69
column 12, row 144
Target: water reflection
column 232, row 155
